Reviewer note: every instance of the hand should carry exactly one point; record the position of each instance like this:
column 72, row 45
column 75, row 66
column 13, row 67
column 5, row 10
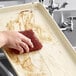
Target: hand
column 15, row 40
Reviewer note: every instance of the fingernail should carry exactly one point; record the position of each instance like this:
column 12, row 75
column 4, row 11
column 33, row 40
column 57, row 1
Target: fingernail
column 21, row 52
column 32, row 45
column 27, row 50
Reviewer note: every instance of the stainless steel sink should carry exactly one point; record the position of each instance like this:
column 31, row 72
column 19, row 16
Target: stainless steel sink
column 62, row 16
column 5, row 67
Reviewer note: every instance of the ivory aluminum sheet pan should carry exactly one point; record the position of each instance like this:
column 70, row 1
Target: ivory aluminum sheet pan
column 56, row 58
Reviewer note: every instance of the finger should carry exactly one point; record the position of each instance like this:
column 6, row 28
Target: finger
column 20, row 49
column 29, row 42
column 26, row 40
column 24, row 46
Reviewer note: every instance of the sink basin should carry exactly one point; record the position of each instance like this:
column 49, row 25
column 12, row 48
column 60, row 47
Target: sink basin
column 5, row 67
column 7, row 70
column 61, row 16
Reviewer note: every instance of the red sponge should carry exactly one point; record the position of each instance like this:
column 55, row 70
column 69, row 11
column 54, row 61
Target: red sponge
column 30, row 34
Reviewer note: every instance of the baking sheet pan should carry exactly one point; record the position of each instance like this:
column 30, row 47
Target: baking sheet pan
column 56, row 58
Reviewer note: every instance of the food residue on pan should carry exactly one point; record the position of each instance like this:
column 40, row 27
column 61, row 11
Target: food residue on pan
column 25, row 20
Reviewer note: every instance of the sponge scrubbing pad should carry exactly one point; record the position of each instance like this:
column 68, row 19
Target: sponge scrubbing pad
column 30, row 34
